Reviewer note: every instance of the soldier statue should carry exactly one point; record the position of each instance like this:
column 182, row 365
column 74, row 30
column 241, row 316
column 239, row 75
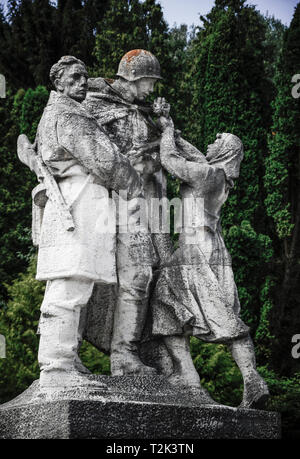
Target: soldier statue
column 99, row 136
column 76, row 163
column 120, row 109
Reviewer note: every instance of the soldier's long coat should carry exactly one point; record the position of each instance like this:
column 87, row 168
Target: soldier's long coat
column 84, row 162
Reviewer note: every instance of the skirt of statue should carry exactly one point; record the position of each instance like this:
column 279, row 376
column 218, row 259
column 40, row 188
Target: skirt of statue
column 198, row 296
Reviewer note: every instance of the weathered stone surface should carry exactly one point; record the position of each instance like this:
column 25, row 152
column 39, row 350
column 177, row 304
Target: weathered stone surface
column 120, row 109
column 196, row 291
column 127, row 407
column 74, row 225
column 86, row 150
column 137, row 64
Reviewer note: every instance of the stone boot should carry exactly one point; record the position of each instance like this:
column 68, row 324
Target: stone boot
column 256, row 392
column 129, row 322
column 60, row 338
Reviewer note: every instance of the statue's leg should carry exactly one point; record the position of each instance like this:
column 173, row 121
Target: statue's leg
column 185, row 373
column 81, row 327
column 129, row 320
column 61, row 331
column 256, row 390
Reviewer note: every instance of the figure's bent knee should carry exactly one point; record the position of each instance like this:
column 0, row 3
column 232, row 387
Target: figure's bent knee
column 66, row 293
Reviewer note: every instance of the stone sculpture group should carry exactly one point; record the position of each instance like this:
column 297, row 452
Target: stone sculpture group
column 101, row 152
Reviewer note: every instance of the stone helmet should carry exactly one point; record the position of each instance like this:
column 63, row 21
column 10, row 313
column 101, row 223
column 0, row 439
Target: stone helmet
column 137, row 64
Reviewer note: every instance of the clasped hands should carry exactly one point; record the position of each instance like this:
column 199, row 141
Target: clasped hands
column 161, row 108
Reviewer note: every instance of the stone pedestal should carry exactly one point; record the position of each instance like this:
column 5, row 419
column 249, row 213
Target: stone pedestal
column 125, row 407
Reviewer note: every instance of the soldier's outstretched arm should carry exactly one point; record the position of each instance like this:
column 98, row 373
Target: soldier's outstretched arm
column 85, row 141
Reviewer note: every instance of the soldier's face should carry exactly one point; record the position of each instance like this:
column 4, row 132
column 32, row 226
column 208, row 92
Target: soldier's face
column 144, row 87
column 73, row 82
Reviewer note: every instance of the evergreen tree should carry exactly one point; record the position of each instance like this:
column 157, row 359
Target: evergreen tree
column 18, row 114
column 177, row 88
column 282, row 181
column 31, row 42
column 4, row 40
column 126, row 25
column 76, row 25
column 273, row 45
column 37, row 33
column 19, row 323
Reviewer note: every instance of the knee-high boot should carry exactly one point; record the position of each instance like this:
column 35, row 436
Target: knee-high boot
column 256, row 391
column 129, row 321
column 60, row 338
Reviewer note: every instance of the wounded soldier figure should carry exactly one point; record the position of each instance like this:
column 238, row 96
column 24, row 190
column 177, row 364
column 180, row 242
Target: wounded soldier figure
column 122, row 112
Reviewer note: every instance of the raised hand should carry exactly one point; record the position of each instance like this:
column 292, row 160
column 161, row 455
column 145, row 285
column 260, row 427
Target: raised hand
column 161, row 107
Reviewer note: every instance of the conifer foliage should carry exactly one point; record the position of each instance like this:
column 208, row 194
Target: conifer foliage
column 37, row 33
column 282, row 183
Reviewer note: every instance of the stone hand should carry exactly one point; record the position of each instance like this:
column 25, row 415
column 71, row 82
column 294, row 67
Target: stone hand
column 27, row 155
column 161, row 107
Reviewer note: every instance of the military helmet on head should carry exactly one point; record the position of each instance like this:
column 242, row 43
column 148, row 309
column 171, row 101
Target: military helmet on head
column 137, row 64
